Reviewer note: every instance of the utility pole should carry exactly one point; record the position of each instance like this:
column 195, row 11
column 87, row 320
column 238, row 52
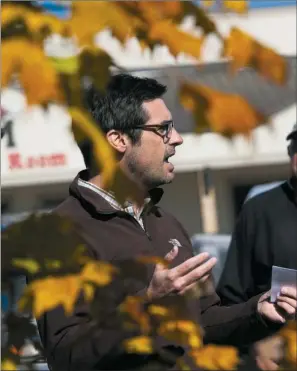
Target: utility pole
column 208, row 202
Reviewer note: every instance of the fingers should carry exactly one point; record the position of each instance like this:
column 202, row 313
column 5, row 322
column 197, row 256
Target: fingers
column 172, row 254
column 289, row 291
column 188, row 265
column 196, row 274
column 289, row 310
column 289, row 301
column 266, row 364
column 192, row 285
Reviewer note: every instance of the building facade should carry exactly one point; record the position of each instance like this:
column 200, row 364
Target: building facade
column 39, row 156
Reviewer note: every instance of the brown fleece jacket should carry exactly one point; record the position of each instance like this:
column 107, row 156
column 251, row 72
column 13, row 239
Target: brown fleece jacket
column 115, row 236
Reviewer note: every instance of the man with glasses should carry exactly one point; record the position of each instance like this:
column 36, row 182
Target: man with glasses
column 139, row 127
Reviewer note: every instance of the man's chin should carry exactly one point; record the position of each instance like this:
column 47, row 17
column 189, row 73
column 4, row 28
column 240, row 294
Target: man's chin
column 170, row 177
column 165, row 180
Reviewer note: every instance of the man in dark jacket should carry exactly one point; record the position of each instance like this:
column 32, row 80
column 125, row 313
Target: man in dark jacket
column 139, row 127
column 265, row 235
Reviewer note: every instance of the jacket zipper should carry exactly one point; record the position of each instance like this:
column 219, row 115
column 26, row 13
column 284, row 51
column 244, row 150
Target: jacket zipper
column 136, row 222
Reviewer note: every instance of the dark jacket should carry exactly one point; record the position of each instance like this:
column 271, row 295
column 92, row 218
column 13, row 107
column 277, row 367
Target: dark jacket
column 265, row 235
column 116, row 236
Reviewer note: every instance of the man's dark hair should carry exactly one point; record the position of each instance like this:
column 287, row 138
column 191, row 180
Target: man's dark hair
column 292, row 147
column 121, row 106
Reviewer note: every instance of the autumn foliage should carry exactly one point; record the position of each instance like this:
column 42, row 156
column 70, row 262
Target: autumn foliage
column 46, row 79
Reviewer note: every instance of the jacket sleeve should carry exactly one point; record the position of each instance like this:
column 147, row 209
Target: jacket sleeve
column 79, row 341
column 237, row 284
column 238, row 325
column 69, row 344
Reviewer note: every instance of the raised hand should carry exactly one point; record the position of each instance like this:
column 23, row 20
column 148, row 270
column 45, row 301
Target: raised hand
column 182, row 278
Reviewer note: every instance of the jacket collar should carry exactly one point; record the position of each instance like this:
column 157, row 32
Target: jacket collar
column 291, row 189
column 93, row 201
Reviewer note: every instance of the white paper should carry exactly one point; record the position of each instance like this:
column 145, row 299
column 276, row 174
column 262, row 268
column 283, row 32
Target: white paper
column 282, row 277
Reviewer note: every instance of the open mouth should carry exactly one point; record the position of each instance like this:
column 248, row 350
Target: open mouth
column 166, row 159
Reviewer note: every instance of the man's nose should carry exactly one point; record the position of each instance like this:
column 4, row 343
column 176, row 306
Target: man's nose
column 176, row 139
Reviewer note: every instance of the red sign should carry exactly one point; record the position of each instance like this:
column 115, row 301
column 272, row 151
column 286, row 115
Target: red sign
column 17, row 161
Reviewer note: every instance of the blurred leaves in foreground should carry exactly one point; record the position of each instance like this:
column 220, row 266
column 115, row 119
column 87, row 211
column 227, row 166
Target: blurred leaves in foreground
column 41, row 244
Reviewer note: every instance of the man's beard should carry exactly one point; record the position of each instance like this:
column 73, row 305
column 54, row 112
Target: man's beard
column 144, row 176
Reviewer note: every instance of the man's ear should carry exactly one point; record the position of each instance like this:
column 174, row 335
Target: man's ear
column 117, row 140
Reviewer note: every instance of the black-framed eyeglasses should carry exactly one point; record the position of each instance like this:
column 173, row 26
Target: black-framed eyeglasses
column 164, row 130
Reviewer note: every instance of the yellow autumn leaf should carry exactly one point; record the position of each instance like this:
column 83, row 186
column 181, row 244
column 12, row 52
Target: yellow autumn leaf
column 212, row 357
column 100, row 273
column 41, row 22
column 8, row 365
column 11, row 12
column 27, row 62
column 88, row 290
column 230, row 114
column 223, row 113
column 95, row 63
column 195, row 341
column 99, row 15
column 80, row 256
column 125, row 189
column 46, row 294
column 38, row 23
column 53, row 264
column 132, row 306
column 152, row 260
column 237, row 6
column 193, row 101
column 30, row 265
column 182, row 365
column 168, row 9
column 69, row 65
column 239, row 46
column 158, row 310
column 177, row 40
column 289, row 334
column 103, row 152
column 202, row 19
column 270, row 64
column 245, row 51
column 184, row 331
column 139, row 344
column 155, row 11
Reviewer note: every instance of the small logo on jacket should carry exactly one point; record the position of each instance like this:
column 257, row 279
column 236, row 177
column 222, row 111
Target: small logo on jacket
column 174, row 242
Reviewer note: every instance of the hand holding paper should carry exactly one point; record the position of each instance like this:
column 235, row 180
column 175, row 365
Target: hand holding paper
column 283, row 309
